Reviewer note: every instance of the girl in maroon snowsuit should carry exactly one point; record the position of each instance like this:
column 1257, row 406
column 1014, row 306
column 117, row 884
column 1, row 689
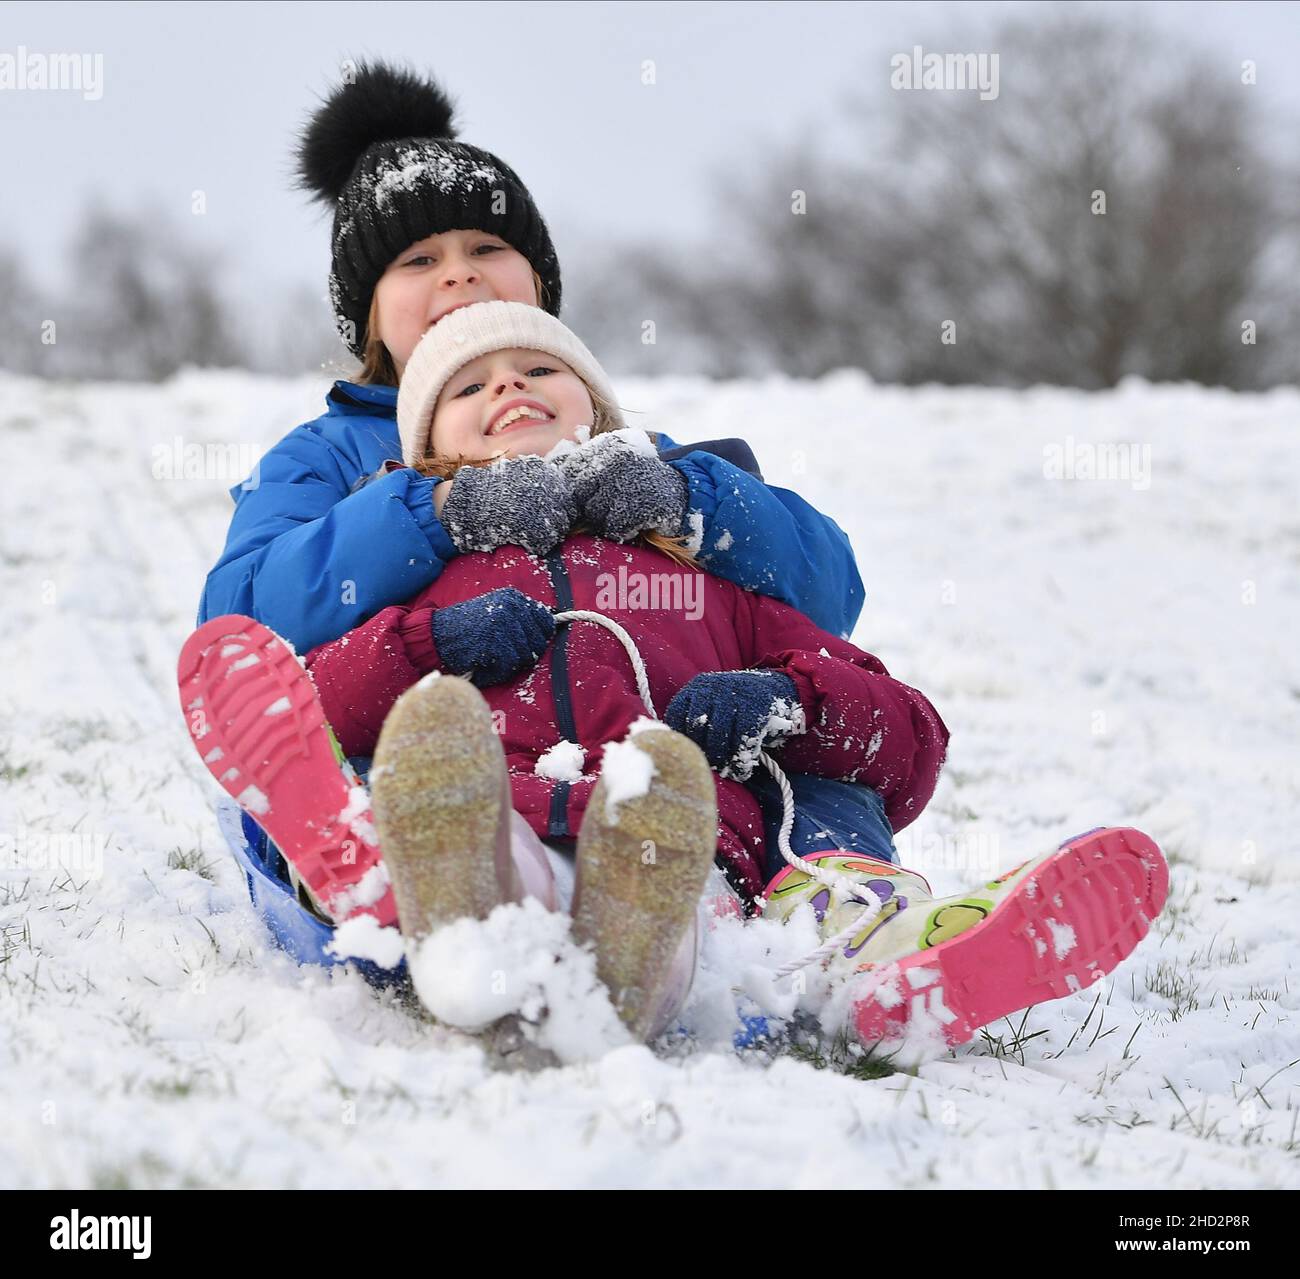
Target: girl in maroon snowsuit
column 862, row 724
column 500, row 377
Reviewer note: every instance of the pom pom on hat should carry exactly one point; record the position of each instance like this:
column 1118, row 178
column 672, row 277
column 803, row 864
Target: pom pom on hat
column 378, row 103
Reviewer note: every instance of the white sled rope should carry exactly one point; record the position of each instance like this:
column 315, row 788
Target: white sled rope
column 841, row 888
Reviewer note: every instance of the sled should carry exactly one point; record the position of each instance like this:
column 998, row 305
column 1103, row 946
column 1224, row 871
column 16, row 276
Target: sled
column 293, row 928
column 298, row 932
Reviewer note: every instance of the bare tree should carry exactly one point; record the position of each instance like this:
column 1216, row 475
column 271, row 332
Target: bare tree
column 20, row 317
column 141, row 303
column 1111, row 211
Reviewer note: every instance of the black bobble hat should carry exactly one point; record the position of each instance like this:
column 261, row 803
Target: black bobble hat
column 382, row 150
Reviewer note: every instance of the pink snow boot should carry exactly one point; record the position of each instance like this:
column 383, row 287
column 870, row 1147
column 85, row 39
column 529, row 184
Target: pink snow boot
column 258, row 725
column 1069, row 917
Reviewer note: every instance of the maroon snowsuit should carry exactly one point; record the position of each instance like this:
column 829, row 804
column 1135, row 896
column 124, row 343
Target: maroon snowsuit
column 863, row 725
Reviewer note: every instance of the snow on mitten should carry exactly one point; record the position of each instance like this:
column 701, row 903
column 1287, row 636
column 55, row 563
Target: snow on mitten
column 733, row 715
column 517, row 501
column 622, row 489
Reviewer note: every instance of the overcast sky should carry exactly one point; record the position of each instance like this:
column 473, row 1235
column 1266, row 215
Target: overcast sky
column 209, row 97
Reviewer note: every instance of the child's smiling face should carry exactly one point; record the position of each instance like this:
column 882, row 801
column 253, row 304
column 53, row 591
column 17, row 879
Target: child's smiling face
column 440, row 273
column 485, row 392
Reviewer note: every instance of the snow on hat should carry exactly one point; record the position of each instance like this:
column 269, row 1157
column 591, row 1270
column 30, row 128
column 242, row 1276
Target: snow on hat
column 382, row 151
column 474, row 330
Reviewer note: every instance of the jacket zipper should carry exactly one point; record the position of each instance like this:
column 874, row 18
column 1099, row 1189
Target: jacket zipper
column 558, row 827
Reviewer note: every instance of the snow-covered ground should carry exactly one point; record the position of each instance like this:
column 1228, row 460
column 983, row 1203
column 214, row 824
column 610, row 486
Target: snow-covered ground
column 1112, row 650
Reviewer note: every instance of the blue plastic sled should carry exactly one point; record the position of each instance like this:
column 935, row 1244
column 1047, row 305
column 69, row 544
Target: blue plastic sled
column 294, row 928
column 298, row 932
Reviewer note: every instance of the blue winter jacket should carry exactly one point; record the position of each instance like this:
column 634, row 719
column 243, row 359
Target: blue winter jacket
column 318, row 543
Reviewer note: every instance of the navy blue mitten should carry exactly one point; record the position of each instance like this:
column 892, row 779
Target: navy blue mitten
column 492, row 637
column 733, row 715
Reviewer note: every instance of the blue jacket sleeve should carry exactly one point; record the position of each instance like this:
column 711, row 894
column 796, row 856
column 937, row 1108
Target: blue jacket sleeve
column 310, row 560
column 769, row 540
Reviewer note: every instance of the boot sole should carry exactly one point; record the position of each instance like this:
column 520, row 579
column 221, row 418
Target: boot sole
column 441, row 796
column 640, row 876
column 1069, row 921
column 257, row 723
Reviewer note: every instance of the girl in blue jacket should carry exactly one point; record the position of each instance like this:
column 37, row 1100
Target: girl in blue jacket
column 424, row 224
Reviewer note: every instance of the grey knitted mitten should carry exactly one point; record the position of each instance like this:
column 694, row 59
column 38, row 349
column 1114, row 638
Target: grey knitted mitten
column 621, row 491
column 517, row 501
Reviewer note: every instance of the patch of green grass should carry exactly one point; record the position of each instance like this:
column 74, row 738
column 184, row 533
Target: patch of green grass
column 1097, row 1010
column 1115, row 1118
column 12, row 891
column 842, row 1054
column 10, row 769
column 1209, row 960
column 74, row 732
column 14, row 938
column 1180, row 988
column 1258, row 992
column 191, row 859
column 1011, row 1045
column 145, row 1172
column 1177, row 915
column 1195, row 1124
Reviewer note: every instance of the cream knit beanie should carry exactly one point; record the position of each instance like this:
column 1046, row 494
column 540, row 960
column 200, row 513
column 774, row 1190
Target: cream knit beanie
column 464, row 335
